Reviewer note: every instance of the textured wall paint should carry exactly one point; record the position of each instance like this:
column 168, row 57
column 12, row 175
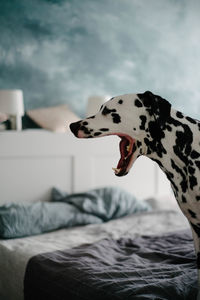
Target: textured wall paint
column 65, row 51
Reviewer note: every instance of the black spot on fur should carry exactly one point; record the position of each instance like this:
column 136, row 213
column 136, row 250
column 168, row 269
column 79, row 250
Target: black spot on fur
column 140, row 149
column 92, row 117
column 184, row 199
column 85, row 123
column 175, row 188
column 85, row 130
column 191, row 162
column 120, row 101
column 174, row 122
column 156, row 106
column 134, row 148
column 169, row 175
column 143, row 119
column 194, row 154
column 196, row 228
column 156, row 132
column 149, row 151
column 104, row 129
column 179, row 115
column 168, row 128
column 184, row 139
column 192, row 214
column 147, row 100
column 183, row 183
column 191, row 170
column 147, row 142
column 154, row 146
column 139, row 144
column 192, row 181
column 97, row 133
column 138, row 103
column 107, row 111
column 197, row 163
column 116, row 118
column 191, row 120
column 198, row 198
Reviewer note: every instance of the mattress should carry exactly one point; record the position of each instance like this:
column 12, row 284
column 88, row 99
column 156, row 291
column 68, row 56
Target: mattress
column 15, row 253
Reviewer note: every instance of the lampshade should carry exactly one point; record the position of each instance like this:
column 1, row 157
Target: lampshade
column 94, row 104
column 11, row 102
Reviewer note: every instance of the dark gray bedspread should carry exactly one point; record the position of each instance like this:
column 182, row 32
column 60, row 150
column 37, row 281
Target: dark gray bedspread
column 147, row 267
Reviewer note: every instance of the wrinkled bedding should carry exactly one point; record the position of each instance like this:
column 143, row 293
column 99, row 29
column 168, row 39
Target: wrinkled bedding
column 147, row 267
column 65, row 211
column 14, row 254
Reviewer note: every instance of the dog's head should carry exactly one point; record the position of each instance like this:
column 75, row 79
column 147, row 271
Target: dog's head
column 135, row 118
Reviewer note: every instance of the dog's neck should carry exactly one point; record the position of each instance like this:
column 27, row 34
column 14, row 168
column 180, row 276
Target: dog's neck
column 161, row 150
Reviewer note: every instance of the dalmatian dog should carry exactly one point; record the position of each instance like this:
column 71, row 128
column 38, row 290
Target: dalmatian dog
column 147, row 125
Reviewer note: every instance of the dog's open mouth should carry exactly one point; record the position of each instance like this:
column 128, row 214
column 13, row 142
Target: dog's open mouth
column 127, row 149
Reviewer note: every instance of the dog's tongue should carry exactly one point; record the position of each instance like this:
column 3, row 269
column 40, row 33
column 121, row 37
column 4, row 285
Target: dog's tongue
column 123, row 151
column 126, row 147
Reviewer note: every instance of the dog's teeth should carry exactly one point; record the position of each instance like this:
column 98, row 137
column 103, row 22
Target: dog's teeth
column 116, row 170
column 128, row 148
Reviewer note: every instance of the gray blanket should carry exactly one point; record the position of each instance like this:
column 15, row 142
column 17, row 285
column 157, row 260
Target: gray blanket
column 147, row 267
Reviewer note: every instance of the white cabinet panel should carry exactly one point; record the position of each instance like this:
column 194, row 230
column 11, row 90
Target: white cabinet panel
column 32, row 162
column 31, row 178
column 97, row 172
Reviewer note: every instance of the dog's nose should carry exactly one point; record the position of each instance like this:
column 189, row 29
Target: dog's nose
column 75, row 127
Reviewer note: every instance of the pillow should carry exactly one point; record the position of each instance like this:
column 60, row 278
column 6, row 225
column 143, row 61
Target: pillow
column 55, row 118
column 105, row 203
column 19, row 220
column 28, row 123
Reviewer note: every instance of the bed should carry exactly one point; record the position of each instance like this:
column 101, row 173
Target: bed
column 142, row 255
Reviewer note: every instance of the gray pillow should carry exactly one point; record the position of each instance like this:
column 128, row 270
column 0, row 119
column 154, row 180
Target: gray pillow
column 19, row 220
column 106, row 203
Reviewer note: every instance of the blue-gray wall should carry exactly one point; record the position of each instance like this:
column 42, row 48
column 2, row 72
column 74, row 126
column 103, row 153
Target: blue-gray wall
column 63, row 51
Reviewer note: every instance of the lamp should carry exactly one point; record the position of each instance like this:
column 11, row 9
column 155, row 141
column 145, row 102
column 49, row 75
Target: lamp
column 11, row 103
column 94, row 104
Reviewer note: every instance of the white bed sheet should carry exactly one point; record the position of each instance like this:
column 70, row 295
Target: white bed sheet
column 15, row 253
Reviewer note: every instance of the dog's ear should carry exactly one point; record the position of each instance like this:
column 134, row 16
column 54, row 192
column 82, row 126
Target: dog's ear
column 156, row 106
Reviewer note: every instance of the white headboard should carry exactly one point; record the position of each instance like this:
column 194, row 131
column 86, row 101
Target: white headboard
column 33, row 161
